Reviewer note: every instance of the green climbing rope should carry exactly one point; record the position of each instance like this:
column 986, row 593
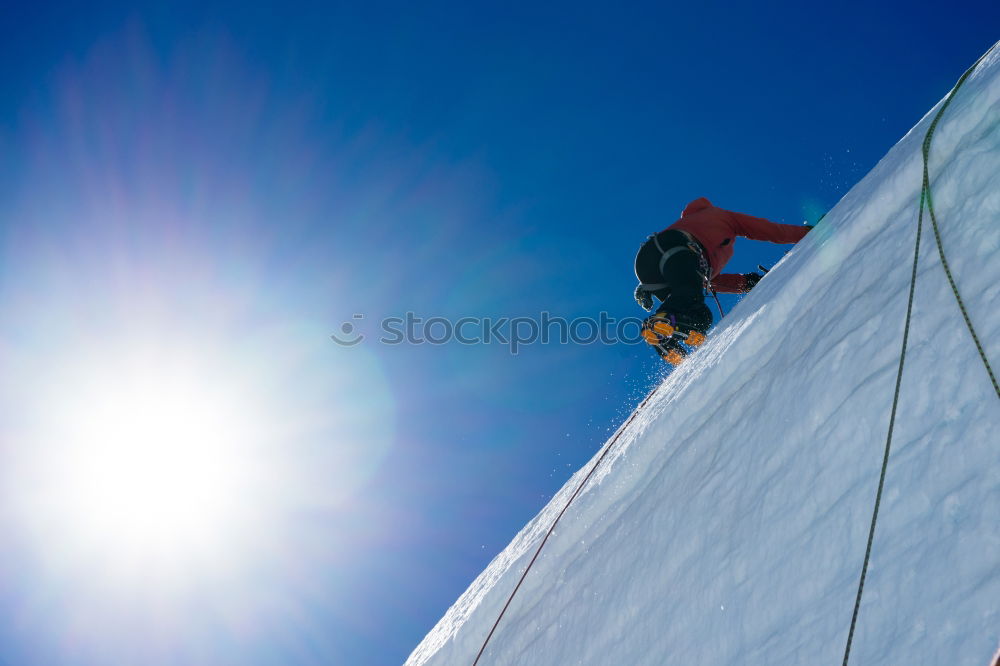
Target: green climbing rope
column 925, row 198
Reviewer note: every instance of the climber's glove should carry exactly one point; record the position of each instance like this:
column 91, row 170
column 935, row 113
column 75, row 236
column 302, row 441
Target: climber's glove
column 751, row 280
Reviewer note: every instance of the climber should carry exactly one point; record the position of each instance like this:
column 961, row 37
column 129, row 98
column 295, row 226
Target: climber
column 679, row 263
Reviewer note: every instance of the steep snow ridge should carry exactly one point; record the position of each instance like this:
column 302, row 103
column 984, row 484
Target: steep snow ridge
column 728, row 524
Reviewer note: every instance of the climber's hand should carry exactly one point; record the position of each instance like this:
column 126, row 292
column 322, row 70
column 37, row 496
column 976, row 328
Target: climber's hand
column 751, row 280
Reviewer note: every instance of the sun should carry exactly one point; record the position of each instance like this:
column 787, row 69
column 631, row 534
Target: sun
column 149, row 462
column 154, row 463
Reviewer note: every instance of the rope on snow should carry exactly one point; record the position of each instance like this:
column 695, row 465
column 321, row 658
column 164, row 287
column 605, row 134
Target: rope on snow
column 925, row 198
column 610, row 445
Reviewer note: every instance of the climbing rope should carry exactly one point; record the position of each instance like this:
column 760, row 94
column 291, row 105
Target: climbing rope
column 552, row 527
column 944, row 260
column 717, row 303
column 925, row 198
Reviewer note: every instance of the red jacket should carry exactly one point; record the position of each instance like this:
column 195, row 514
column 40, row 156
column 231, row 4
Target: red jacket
column 716, row 229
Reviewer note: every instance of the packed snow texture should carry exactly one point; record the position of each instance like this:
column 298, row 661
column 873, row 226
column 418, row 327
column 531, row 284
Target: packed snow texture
column 728, row 523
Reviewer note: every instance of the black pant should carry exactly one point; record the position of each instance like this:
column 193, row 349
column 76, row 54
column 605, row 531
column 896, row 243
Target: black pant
column 684, row 295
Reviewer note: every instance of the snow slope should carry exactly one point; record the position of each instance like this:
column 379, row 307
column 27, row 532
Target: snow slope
column 728, row 524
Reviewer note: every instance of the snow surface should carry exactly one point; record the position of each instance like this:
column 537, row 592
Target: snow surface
column 728, row 524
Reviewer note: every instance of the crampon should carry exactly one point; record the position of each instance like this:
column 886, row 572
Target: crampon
column 662, row 333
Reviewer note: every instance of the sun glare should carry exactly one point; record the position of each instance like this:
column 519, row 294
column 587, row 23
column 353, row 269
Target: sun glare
column 149, row 462
column 156, row 464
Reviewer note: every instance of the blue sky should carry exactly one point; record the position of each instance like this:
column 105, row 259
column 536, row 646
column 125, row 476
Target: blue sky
column 233, row 183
